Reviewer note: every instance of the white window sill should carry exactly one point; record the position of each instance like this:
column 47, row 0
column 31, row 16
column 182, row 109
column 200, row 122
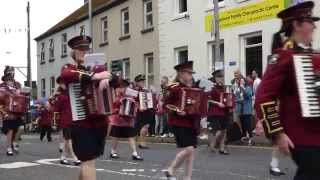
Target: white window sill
column 211, row 8
column 240, row 1
column 185, row 15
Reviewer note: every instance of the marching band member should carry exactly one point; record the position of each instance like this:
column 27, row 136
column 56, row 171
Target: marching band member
column 88, row 136
column 144, row 116
column 219, row 113
column 61, row 105
column 122, row 126
column 11, row 121
column 185, row 127
column 277, row 98
column 45, row 122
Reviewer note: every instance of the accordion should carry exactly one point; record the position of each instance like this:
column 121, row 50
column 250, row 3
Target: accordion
column 17, row 103
column 146, row 100
column 90, row 101
column 191, row 101
column 128, row 107
column 307, row 69
column 228, row 98
column 12, row 102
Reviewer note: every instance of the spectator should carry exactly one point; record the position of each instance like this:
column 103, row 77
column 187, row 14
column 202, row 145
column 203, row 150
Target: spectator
column 244, row 109
column 160, row 114
column 256, row 81
column 166, row 127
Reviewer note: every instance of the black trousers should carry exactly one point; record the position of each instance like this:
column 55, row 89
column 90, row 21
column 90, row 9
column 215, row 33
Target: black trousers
column 246, row 125
column 45, row 130
column 307, row 159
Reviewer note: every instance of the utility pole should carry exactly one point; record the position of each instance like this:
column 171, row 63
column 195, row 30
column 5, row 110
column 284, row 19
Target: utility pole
column 90, row 23
column 29, row 77
column 216, row 33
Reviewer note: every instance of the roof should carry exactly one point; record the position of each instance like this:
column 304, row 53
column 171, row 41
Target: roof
column 79, row 15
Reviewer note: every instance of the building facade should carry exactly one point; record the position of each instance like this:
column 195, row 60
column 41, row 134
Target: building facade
column 124, row 30
column 128, row 35
column 53, row 52
column 246, row 30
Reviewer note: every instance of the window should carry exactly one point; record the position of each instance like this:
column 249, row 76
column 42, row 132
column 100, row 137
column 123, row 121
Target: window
column 122, row 67
column 217, row 63
column 125, row 22
column 126, row 68
column 42, row 53
column 104, row 30
column 182, row 6
column 43, row 87
column 181, row 55
column 64, row 45
column 148, row 17
column 149, row 70
column 253, row 53
column 52, row 85
column 51, row 49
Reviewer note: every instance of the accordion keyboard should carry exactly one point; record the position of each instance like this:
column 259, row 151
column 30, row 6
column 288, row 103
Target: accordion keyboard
column 77, row 103
column 309, row 99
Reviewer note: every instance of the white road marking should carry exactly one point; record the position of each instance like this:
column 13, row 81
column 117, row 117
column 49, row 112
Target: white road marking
column 51, row 162
column 121, row 162
column 15, row 165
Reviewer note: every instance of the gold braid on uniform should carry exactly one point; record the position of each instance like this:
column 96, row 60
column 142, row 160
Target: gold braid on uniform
column 172, row 107
column 271, row 119
column 288, row 44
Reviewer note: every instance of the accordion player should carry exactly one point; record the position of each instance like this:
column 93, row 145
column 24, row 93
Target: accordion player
column 227, row 98
column 190, row 100
column 146, row 100
column 128, row 103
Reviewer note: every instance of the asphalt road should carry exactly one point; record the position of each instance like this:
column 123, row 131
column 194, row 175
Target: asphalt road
column 39, row 161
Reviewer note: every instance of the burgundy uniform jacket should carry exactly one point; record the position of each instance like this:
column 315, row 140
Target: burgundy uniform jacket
column 187, row 121
column 45, row 118
column 72, row 74
column 62, row 106
column 278, row 105
column 215, row 95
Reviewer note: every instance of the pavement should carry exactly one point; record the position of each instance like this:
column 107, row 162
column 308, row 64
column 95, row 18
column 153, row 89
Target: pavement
column 39, row 161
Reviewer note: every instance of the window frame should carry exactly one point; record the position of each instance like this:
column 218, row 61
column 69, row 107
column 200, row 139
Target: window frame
column 146, row 14
column 147, row 58
column 104, row 39
column 52, row 84
column 51, row 49
column 43, row 87
column 126, row 66
column 64, row 45
column 42, row 52
column 177, row 53
column 124, row 22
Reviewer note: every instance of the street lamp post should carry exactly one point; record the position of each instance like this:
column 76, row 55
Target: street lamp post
column 90, row 22
column 29, row 78
column 216, row 33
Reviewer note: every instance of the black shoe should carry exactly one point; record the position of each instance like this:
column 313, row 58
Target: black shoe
column 65, row 162
column 276, row 172
column 169, row 176
column 137, row 158
column 114, row 156
column 143, row 147
column 224, row 152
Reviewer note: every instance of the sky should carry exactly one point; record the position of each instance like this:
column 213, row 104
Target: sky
column 13, row 17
